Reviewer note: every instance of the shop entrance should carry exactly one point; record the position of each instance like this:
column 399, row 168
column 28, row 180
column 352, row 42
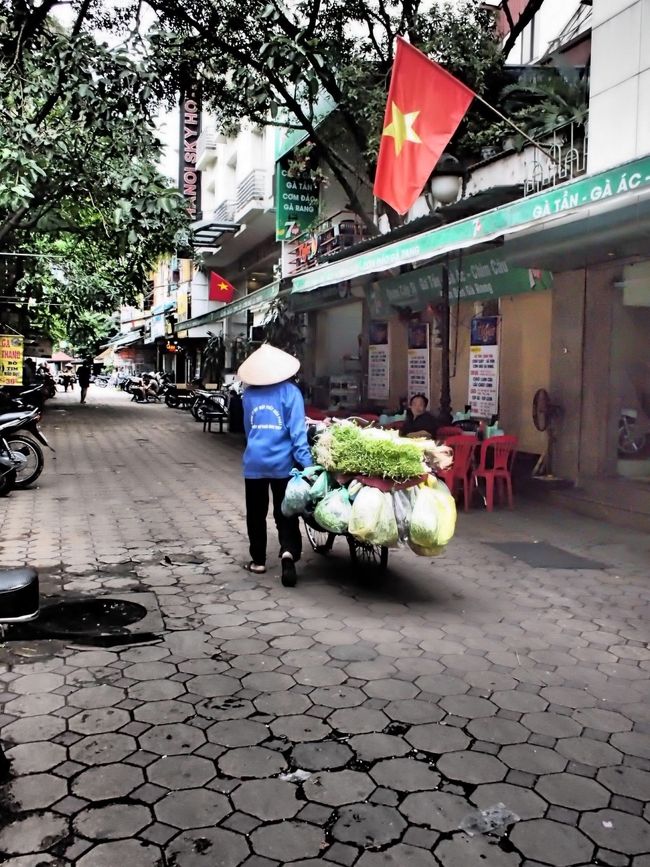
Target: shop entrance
column 631, row 372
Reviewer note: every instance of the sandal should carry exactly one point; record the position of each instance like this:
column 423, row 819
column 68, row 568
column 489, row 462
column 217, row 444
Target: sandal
column 255, row 568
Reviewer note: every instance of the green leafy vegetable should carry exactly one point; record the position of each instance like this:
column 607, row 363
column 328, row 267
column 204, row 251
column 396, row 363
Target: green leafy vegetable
column 346, row 448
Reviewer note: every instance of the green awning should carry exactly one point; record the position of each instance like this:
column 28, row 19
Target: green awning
column 542, row 209
column 253, row 299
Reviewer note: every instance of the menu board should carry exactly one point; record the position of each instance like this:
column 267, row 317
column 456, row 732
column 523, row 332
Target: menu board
column 484, row 366
column 378, row 362
column 419, row 359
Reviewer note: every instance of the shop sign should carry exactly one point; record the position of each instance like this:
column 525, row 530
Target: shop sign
column 296, row 202
column 524, row 213
column 11, row 359
column 476, row 277
column 378, row 361
column 419, row 359
column 484, row 366
column 189, row 178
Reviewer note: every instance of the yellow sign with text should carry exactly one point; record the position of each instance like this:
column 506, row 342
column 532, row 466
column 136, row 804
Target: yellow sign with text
column 11, row 359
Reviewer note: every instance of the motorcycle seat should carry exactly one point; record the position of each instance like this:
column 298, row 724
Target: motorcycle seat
column 19, row 595
column 24, row 415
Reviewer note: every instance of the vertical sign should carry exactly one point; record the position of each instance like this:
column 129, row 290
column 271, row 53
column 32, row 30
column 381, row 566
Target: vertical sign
column 189, row 179
column 484, row 366
column 378, row 362
column 11, row 359
column 419, row 359
column 296, row 202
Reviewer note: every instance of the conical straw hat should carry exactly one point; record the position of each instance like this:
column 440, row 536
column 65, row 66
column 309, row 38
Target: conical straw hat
column 268, row 365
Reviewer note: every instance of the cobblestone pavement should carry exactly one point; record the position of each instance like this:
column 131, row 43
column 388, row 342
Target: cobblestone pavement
column 407, row 702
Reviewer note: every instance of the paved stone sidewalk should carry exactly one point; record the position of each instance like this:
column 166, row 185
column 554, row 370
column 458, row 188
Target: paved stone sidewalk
column 406, row 703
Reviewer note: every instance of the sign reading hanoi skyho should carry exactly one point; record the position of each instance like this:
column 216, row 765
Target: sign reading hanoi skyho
column 189, row 177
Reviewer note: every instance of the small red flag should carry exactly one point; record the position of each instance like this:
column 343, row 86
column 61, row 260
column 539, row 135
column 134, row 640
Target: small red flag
column 220, row 289
column 425, row 105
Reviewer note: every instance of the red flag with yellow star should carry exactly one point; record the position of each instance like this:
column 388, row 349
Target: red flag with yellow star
column 425, row 105
column 220, row 289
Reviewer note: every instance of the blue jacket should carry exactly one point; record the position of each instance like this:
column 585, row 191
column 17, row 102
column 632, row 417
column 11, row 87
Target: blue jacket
column 274, row 419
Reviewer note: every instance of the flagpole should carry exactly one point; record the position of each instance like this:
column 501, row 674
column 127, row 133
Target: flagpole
column 517, row 128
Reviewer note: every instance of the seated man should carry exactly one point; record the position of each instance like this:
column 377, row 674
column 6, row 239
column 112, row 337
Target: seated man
column 419, row 422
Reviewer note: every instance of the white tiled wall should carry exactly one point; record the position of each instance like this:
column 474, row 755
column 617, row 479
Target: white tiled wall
column 619, row 120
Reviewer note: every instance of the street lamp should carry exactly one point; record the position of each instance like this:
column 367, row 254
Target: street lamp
column 447, row 180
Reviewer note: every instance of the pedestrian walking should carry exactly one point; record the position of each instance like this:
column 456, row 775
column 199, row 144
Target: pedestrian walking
column 83, row 375
column 274, row 421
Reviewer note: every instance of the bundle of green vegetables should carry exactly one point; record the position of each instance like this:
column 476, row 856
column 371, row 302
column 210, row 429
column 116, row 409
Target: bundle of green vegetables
column 346, row 448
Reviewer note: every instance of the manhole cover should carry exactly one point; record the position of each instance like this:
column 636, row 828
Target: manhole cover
column 541, row 555
column 94, row 617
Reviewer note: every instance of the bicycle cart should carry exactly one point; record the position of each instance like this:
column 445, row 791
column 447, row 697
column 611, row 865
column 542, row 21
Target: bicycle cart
column 361, row 553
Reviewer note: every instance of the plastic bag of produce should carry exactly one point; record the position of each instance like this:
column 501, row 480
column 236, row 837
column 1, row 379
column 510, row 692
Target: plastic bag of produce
column 334, row 510
column 296, row 496
column 353, row 489
column 385, row 531
column 423, row 531
column 312, row 473
column 446, row 509
column 403, row 509
column 426, row 552
column 320, row 488
column 366, row 511
column 433, row 521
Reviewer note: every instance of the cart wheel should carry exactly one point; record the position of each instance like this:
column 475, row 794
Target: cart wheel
column 364, row 554
column 319, row 540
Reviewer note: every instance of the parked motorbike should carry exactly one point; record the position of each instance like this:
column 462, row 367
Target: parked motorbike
column 8, row 471
column 101, row 380
column 209, row 401
column 24, row 450
column 17, row 397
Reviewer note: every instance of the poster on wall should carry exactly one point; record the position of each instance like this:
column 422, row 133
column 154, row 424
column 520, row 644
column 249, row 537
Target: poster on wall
column 11, row 359
column 484, row 366
column 378, row 362
column 419, row 359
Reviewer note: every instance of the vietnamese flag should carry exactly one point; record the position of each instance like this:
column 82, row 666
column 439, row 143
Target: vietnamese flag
column 425, row 105
column 220, row 289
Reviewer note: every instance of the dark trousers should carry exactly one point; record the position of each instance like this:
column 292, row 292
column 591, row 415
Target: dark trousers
column 257, row 507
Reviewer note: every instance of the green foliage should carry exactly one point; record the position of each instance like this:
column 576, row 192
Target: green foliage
column 282, row 328
column 78, row 171
column 542, row 102
column 269, row 63
column 346, row 448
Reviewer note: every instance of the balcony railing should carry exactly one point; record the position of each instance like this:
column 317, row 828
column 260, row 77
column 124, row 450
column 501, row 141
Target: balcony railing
column 339, row 232
column 225, row 212
column 564, row 157
column 206, row 148
column 251, row 189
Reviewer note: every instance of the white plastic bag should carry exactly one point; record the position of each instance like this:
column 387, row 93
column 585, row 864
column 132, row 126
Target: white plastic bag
column 334, row 510
column 403, row 509
column 296, row 496
column 366, row 511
